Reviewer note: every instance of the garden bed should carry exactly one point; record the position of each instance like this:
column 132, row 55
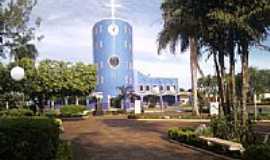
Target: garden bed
column 188, row 136
column 223, row 148
column 166, row 116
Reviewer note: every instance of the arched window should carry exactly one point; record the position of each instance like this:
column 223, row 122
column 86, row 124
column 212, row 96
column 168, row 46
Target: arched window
column 141, row 88
column 168, row 88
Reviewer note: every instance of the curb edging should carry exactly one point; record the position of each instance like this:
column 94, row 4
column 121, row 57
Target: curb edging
column 203, row 150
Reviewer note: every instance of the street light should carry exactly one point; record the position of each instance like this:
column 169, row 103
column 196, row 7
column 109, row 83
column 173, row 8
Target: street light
column 17, row 73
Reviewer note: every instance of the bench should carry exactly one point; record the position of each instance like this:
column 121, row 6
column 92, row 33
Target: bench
column 231, row 146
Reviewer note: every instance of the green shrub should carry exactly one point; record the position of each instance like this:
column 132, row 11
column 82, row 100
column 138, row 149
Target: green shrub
column 64, row 151
column 257, row 152
column 28, row 138
column 116, row 102
column 52, row 114
column 72, row 111
column 186, row 135
column 204, row 132
column 221, row 128
column 145, row 116
column 17, row 112
column 264, row 116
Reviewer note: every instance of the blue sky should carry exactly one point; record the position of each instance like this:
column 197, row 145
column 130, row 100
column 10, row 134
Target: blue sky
column 67, row 27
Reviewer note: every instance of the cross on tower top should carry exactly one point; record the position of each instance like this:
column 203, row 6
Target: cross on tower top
column 113, row 7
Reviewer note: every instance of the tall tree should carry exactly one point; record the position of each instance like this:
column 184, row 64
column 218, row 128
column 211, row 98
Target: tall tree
column 182, row 24
column 17, row 33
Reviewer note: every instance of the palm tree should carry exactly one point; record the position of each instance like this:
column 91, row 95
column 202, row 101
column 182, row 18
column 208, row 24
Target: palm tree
column 125, row 92
column 181, row 25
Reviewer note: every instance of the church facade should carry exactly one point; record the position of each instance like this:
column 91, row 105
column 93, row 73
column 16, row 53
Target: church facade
column 113, row 57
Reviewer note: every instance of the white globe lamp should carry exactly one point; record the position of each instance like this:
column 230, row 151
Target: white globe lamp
column 17, row 73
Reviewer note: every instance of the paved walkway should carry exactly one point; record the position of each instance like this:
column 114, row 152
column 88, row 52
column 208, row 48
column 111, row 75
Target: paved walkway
column 122, row 139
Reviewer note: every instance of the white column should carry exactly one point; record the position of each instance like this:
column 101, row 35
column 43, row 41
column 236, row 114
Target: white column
column 109, row 102
column 161, row 103
column 66, row 100
column 76, row 101
column 176, row 99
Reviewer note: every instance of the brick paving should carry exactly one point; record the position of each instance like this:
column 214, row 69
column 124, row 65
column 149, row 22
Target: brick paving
column 122, row 139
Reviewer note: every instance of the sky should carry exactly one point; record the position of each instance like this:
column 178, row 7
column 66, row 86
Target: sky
column 67, row 27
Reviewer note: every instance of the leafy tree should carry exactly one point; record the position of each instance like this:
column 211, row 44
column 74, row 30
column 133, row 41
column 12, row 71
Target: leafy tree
column 125, row 92
column 16, row 32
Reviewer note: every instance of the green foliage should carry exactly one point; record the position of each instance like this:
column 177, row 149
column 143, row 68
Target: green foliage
column 64, row 151
column 222, row 128
column 72, row 111
column 263, row 116
column 258, row 152
column 51, row 79
column 28, row 138
column 186, row 135
column 116, row 102
column 16, row 112
column 15, row 17
column 52, row 114
column 144, row 116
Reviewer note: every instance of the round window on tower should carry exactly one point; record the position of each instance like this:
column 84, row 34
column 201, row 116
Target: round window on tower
column 114, row 61
column 113, row 29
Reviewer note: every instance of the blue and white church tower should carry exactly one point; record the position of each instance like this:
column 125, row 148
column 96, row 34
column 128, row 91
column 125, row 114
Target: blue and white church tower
column 113, row 56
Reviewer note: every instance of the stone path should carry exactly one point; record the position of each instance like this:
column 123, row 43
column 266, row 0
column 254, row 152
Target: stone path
column 122, row 139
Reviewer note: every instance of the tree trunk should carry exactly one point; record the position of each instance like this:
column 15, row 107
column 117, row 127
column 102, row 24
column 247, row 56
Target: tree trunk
column 220, row 93
column 222, row 83
column 232, row 87
column 193, row 70
column 245, row 84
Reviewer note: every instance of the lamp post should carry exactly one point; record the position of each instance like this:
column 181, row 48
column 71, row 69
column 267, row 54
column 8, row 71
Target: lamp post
column 17, row 74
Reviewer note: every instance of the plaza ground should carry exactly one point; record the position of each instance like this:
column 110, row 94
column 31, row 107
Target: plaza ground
column 117, row 138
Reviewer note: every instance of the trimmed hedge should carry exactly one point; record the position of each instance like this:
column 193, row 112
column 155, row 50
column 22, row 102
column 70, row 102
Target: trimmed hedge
column 52, row 114
column 17, row 112
column 25, row 138
column 72, row 111
column 186, row 135
column 64, row 151
column 257, row 152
